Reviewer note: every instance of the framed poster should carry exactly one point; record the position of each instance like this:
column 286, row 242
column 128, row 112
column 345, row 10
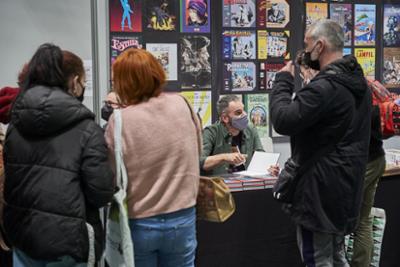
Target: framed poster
column 167, row 55
column 391, row 25
column 239, row 13
column 364, row 25
column 195, row 16
column 125, row 15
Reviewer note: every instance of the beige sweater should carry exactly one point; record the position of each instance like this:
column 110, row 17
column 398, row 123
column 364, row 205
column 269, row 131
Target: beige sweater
column 161, row 146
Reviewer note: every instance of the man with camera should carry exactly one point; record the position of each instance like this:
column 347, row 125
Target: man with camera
column 329, row 122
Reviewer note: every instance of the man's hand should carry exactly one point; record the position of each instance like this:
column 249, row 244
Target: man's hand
column 274, row 170
column 289, row 67
column 235, row 158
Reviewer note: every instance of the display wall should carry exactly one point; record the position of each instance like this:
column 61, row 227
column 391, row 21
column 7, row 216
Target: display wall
column 211, row 48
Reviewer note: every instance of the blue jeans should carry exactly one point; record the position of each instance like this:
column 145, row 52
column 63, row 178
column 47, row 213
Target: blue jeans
column 166, row 240
column 20, row 259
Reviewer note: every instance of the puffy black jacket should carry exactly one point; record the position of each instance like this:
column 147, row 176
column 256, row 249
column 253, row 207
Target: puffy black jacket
column 328, row 196
column 57, row 176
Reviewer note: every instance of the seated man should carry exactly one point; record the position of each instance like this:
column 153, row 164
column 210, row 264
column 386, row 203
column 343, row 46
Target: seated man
column 229, row 144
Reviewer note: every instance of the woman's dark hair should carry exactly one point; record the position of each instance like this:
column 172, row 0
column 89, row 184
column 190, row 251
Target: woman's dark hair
column 45, row 68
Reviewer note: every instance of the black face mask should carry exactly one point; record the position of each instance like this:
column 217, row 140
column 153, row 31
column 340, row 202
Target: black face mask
column 80, row 98
column 314, row 64
column 106, row 111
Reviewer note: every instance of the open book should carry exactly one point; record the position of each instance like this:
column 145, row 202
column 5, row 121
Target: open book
column 259, row 164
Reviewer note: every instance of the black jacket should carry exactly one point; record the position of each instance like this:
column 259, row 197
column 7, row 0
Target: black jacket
column 57, row 176
column 328, row 196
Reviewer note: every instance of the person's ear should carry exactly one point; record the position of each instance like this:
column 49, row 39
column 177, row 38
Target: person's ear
column 76, row 89
column 224, row 118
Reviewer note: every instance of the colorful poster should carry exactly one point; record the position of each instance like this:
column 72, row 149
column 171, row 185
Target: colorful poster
column 278, row 13
column 161, row 15
column 125, row 15
column 342, row 14
column 195, row 62
column 262, row 51
column 239, row 13
column 239, row 76
column 347, row 51
column 257, row 108
column 120, row 43
column 278, row 44
column 391, row 25
column 315, row 12
column 239, row 44
column 391, row 67
column 364, row 25
column 195, row 16
column 201, row 103
column 366, row 58
column 167, row 55
column 270, row 73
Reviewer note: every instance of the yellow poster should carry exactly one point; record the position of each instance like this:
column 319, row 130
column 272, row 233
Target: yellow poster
column 201, row 103
column 366, row 58
column 262, row 44
column 315, row 12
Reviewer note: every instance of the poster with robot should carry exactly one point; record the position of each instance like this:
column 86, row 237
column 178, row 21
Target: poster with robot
column 239, row 44
column 239, row 13
column 391, row 25
column 195, row 62
column 167, row 55
column 364, row 25
column 239, row 76
column 195, row 16
column 342, row 14
column 161, row 15
column 125, row 15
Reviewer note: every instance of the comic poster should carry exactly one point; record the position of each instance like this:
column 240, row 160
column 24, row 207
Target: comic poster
column 270, row 72
column 278, row 44
column 239, row 44
column 364, row 25
column 195, row 16
column 195, row 62
column 120, row 43
column 342, row 14
column 278, row 13
column 239, row 13
column 347, row 51
column 366, row 58
column 262, row 48
column 161, row 15
column 201, row 103
column 391, row 25
column 239, row 76
column 167, row 55
column 391, row 67
column 262, row 13
column 315, row 12
column 125, row 15
column 256, row 106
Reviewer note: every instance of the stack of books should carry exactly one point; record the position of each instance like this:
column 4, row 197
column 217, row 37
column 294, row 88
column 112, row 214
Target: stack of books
column 243, row 183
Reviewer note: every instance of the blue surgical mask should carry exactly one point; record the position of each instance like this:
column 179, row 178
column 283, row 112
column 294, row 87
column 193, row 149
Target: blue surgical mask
column 240, row 123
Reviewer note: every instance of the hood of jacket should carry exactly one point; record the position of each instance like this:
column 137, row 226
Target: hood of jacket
column 42, row 111
column 347, row 72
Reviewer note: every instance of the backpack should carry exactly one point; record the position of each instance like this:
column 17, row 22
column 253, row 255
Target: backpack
column 389, row 108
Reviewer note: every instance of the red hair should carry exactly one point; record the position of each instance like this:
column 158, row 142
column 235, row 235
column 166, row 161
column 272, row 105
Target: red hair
column 138, row 76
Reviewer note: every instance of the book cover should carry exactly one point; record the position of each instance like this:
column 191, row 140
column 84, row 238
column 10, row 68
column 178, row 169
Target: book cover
column 195, row 16
column 315, row 12
column 201, row 103
column 278, row 44
column 239, row 13
column 167, row 55
column 257, row 108
column 270, row 73
column 125, row 15
column 120, row 43
column 161, row 15
column 239, row 44
column 364, row 25
column 239, row 76
column 342, row 14
column 195, row 62
column 262, row 48
column 278, row 13
column 366, row 58
column 391, row 67
column 391, row 25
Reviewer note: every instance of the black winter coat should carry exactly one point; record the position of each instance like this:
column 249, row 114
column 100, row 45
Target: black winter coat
column 328, row 196
column 57, row 176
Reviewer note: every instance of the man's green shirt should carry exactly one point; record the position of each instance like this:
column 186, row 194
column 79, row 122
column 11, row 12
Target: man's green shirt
column 217, row 140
